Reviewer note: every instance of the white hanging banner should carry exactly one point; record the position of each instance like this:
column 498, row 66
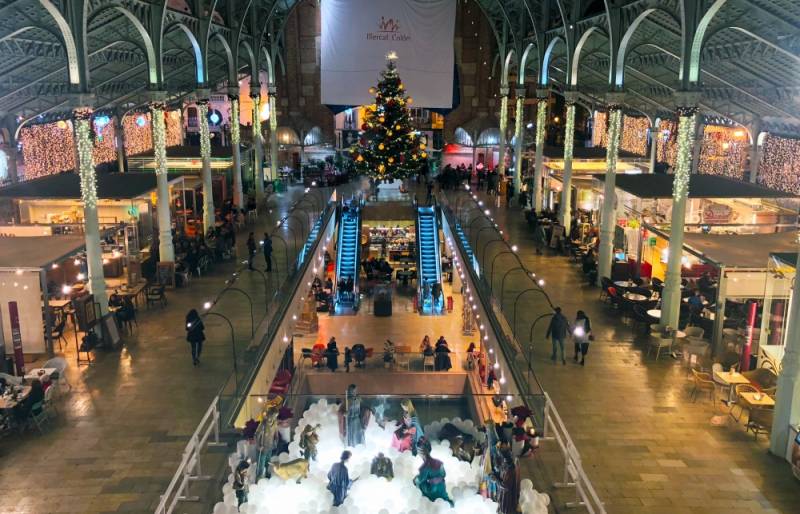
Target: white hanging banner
column 357, row 35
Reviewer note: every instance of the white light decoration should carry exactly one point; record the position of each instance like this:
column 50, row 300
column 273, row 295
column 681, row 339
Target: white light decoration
column 257, row 119
column 541, row 121
column 687, row 122
column 614, row 128
column 780, row 165
column 159, row 138
column 205, row 136
column 86, row 171
column 236, row 136
column 600, row 129
column 501, row 166
column 634, row 135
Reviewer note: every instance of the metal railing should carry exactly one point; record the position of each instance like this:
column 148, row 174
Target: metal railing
column 189, row 469
column 574, row 475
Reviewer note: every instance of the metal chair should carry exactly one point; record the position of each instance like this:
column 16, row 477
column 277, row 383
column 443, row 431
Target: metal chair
column 760, row 422
column 658, row 344
column 703, row 382
column 60, row 375
column 427, row 360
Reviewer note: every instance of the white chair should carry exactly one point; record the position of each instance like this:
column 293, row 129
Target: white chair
column 717, row 368
column 11, row 379
column 60, row 375
column 49, row 401
column 658, row 344
column 427, row 360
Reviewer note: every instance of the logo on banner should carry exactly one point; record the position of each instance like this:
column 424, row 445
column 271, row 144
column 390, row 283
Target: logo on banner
column 388, row 30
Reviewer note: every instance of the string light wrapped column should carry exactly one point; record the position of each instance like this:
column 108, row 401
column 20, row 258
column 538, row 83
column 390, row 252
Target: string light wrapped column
column 687, row 127
column 165, row 249
column 569, row 142
column 119, row 137
column 654, row 135
column 501, row 149
column 238, row 193
column 518, row 140
column 607, row 217
column 273, row 132
column 84, row 144
column 205, row 155
column 258, row 148
column 541, row 123
column 787, row 397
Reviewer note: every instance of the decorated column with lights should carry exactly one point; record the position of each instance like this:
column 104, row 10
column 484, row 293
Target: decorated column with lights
column 501, row 165
column 84, row 145
column 755, row 150
column 258, row 148
column 654, row 135
column 119, row 141
column 787, row 397
column 519, row 140
column 541, row 123
column 569, row 141
column 238, row 193
column 165, row 249
column 607, row 217
column 205, row 155
column 687, row 127
column 273, row 132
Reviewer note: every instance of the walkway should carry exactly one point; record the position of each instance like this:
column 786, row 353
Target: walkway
column 122, row 428
column 646, row 447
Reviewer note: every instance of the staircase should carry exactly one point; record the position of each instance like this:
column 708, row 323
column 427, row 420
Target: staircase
column 348, row 253
column 429, row 264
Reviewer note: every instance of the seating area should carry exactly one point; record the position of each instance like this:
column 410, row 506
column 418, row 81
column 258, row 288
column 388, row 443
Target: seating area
column 30, row 403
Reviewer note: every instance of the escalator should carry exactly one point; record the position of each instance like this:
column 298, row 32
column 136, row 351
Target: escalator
column 429, row 265
column 348, row 254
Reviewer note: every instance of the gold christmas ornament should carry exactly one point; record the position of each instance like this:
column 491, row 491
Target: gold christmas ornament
column 360, row 158
column 389, row 132
column 410, row 100
column 381, row 119
column 424, row 154
column 422, row 146
column 400, row 87
column 397, row 127
column 381, row 167
column 372, row 90
column 381, row 147
column 391, row 160
column 414, row 156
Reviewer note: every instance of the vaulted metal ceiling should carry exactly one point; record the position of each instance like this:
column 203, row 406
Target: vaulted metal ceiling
column 749, row 53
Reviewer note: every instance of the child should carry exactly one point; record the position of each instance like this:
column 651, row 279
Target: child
column 348, row 358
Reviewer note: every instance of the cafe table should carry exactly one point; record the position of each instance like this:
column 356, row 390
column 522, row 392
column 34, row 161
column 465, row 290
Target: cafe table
column 40, row 373
column 7, row 401
column 635, row 297
column 763, row 400
column 654, row 313
column 731, row 379
column 625, row 283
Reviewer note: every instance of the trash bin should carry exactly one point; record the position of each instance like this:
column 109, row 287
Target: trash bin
column 278, row 186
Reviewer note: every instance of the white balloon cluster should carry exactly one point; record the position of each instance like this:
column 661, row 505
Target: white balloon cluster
column 369, row 494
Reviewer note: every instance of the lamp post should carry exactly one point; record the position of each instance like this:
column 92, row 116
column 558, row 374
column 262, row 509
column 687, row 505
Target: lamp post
column 249, row 299
column 233, row 344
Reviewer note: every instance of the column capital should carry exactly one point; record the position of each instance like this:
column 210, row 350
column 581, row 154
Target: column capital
column 256, row 95
column 82, row 113
column 615, row 99
column 157, row 96
column 272, row 89
column 571, row 97
column 202, row 94
column 542, row 93
column 82, row 100
column 504, row 90
column 233, row 92
column 686, row 100
column 520, row 91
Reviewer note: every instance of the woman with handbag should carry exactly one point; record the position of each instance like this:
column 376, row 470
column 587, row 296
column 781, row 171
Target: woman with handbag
column 581, row 335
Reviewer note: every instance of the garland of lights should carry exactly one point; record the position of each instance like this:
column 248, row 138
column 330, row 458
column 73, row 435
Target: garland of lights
column 138, row 138
column 780, row 165
column 723, row 151
column 600, row 129
column 159, row 138
column 634, row 135
column 174, row 129
column 687, row 121
column 273, row 131
column 205, row 135
column 569, row 135
column 235, row 132
column 541, row 121
column 47, row 149
column 667, row 141
column 84, row 146
column 257, row 118
column 518, row 135
column 614, row 129
column 503, row 126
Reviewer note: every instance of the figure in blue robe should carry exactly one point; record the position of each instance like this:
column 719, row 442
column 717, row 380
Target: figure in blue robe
column 339, row 479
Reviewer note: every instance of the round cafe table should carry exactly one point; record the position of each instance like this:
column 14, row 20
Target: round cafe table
column 654, row 313
column 625, row 283
column 635, row 297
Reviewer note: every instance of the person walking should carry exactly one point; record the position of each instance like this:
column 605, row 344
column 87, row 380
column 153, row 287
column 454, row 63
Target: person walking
column 509, row 193
column 557, row 330
column 251, row 250
column 581, row 335
column 539, row 238
column 195, row 335
column 268, row 251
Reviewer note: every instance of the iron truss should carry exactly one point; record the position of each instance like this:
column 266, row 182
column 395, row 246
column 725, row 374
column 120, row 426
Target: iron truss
column 56, row 55
column 742, row 56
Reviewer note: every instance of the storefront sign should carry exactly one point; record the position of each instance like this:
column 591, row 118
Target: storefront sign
column 16, row 338
column 717, row 213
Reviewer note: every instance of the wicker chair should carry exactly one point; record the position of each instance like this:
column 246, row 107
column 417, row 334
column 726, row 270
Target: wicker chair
column 703, row 382
column 760, row 422
column 764, row 378
column 741, row 388
column 658, row 344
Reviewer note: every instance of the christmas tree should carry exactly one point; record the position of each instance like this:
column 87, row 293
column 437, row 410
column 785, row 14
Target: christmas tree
column 389, row 146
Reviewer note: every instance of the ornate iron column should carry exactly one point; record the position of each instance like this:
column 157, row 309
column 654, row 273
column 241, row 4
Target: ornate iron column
column 501, row 165
column 607, row 219
column 236, row 152
column 541, row 123
column 205, row 155
column 82, row 127
column 519, row 140
column 165, row 248
column 273, row 132
column 569, row 142
column 258, row 149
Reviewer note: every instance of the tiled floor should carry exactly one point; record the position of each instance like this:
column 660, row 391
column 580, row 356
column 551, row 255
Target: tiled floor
column 122, row 428
column 646, row 447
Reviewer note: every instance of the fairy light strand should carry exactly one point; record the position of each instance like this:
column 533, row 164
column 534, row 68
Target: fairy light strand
column 159, row 138
column 780, row 165
column 205, row 136
column 633, row 138
column 86, row 170
column 235, row 132
column 687, row 121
